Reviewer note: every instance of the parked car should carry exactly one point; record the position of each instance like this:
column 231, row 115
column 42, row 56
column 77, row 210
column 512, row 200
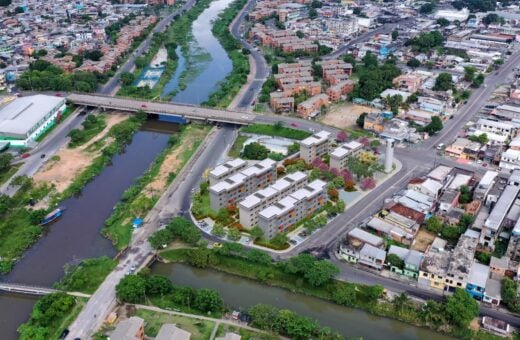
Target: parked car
column 143, row 105
column 25, row 155
column 42, row 155
column 294, row 124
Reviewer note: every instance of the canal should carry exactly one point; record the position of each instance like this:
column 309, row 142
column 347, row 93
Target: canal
column 241, row 293
column 76, row 235
column 208, row 63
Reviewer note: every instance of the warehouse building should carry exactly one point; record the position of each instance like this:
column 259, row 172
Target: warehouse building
column 24, row 119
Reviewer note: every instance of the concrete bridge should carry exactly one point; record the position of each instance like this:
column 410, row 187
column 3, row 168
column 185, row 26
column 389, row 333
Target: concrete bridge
column 34, row 290
column 192, row 112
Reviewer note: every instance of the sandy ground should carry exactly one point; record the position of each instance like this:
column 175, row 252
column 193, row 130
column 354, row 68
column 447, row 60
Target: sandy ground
column 344, row 115
column 423, row 240
column 173, row 161
column 61, row 169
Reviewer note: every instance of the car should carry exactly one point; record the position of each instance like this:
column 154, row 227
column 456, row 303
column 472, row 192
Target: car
column 25, row 155
column 217, row 245
column 479, row 161
column 440, row 146
column 294, row 124
column 64, row 334
column 484, row 165
column 42, row 155
column 133, row 268
column 57, row 94
column 143, row 105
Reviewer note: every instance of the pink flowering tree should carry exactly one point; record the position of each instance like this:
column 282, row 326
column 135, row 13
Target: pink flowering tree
column 347, row 175
column 342, row 136
column 323, row 167
column 364, row 141
column 317, row 162
column 368, row 183
column 335, row 172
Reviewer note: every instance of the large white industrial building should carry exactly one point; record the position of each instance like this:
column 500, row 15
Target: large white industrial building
column 24, row 119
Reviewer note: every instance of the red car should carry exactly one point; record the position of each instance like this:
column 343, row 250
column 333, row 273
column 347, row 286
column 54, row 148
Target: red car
column 294, row 124
column 25, row 155
column 143, row 105
column 57, row 94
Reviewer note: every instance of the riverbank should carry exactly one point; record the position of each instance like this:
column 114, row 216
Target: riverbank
column 368, row 298
column 231, row 85
column 142, row 196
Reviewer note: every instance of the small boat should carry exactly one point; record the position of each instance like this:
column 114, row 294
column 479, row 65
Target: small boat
column 52, row 216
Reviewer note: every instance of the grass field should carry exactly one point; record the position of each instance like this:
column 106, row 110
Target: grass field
column 199, row 329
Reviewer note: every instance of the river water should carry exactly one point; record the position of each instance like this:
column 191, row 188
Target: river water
column 241, row 293
column 208, row 63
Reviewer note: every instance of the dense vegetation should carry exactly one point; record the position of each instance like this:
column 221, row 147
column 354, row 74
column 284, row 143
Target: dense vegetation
column 276, row 130
column 476, row 5
column 178, row 228
column 87, row 276
column 374, row 78
column 48, row 317
column 92, row 125
column 230, row 86
column 426, row 41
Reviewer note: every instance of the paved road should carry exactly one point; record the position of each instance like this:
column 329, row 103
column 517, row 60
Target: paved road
column 170, row 204
column 113, row 83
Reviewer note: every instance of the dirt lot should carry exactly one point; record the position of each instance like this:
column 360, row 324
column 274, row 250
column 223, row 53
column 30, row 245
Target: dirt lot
column 423, row 240
column 62, row 168
column 174, row 159
column 344, row 115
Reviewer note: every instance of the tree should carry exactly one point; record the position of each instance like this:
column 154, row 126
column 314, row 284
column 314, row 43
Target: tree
column 469, row 73
column 5, row 3
column 316, row 4
column 465, row 194
column 492, row 18
column 434, row 126
column 200, row 257
column 333, row 194
column 373, row 293
column 426, row 41
column 461, row 308
column 400, row 301
column 475, row 5
column 218, row 230
column 208, row 300
column 443, row 22
column 413, row 63
column 427, row 8
column 433, row 312
column 482, row 138
column 256, row 151
column 360, row 121
column 368, row 183
column 320, row 273
column 342, row 136
column 18, row 9
column 257, row 232
column 395, row 261
column 279, row 240
column 258, row 256
column 313, row 13
column 345, row 295
column 300, row 34
column 434, row 225
column 160, row 238
column 509, row 293
column 5, row 161
column 444, row 82
column 131, row 289
column 263, row 316
column 349, row 58
column 369, row 60
column 395, row 35
column 158, row 285
column 184, row 230
column 479, row 80
column 340, row 206
column 234, row 234
column 127, row 78
column 299, row 264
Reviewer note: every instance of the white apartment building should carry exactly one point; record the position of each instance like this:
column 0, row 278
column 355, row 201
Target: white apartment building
column 315, row 146
column 236, row 187
column 258, row 201
column 510, row 159
column 500, row 128
column 340, row 155
column 288, row 211
column 224, row 170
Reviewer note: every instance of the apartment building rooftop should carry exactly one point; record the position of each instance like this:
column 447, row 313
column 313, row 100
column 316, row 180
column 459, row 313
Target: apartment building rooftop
column 317, row 138
column 345, row 149
column 224, row 168
column 259, row 168
column 279, row 208
column 229, row 183
column 478, row 275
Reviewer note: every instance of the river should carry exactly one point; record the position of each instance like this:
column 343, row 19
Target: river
column 76, row 235
column 208, row 63
column 241, row 293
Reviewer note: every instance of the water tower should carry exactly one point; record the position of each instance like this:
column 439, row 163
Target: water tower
column 389, row 155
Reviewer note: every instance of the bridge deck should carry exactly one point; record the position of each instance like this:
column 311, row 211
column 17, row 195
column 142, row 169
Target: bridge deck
column 158, row 107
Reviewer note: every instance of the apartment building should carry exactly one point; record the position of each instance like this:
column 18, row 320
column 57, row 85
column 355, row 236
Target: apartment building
column 493, row 224
column 236, row 187
column 485, row 185
column 258, row 201
column 432, row 105
column 281, row 102
column 311, row 107
column 288, row 211
column 315, row 146
column 340, row 155
column 334, row 67
column 227, row 169
column 335, row 92
column 510, row 159
column 434, row 267
column 498, row 127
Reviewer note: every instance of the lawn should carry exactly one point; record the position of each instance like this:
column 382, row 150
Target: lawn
column 87, row 276
column 276, row 131
column 202, row 207
column 246, row 334
column 199, row 329
column 237, row 147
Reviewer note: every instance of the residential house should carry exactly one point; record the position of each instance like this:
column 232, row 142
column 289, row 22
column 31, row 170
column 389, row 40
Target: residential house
column 395, row 227
column 356, row 239
column 461, row 261
column 484, row 185
column 496, row 326
column 432, row 105
column 408, row 82
column 434, row 267
column 497, row 127
column 412, row 260
column 510, row 159
column 498, row 267
column 477, row 280
column 170, row 331
column 427, row 186
column 374, row 121
column 441, row 174
column 229, row 336
column 372, row 256
column 416, row 201
column 492, row 293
